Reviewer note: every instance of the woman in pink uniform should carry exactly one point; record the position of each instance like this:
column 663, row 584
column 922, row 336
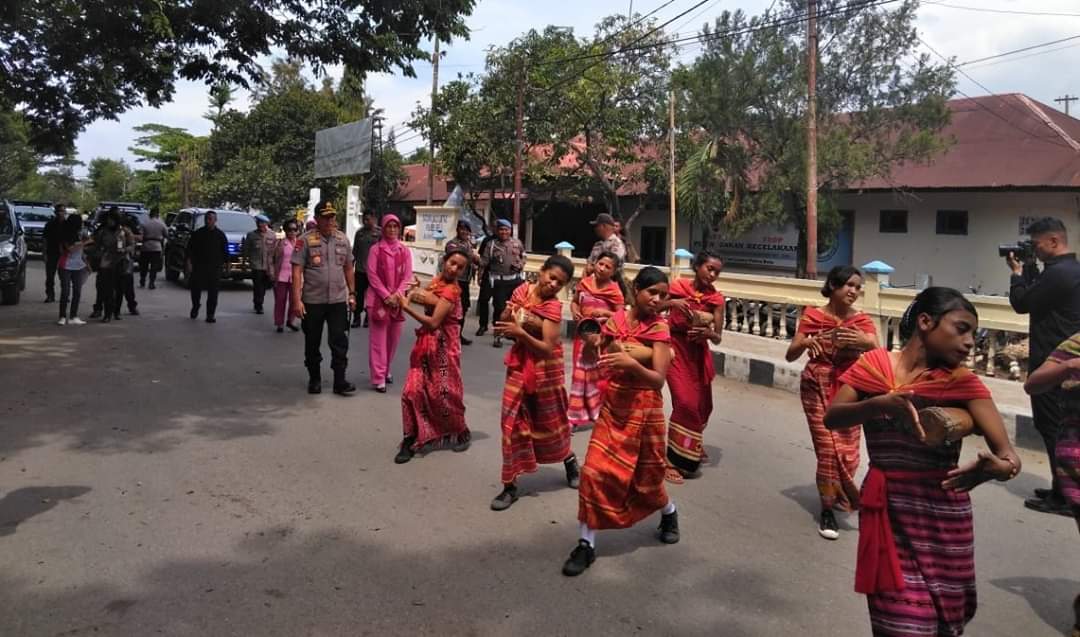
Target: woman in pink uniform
column 389, row 269
column 283, row 250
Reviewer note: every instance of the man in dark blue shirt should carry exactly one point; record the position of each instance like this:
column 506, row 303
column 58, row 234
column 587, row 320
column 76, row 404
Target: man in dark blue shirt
column 1052, row 298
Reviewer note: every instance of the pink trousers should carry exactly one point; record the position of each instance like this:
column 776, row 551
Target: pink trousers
column 282, row 303
column 383, row 337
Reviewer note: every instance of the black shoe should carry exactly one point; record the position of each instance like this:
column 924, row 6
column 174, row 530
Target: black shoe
column 573, row 473
column 153, row 286
column 365, row 320
column 258, row 310
column 462, row 444
column 389, row 379
column 211, row 319
column 481, row 330
column 669, row 528
column 314, row 386
column 580, row 559
column 142, row 284
column 116, row 316
column 133, row 312
column 1043, row 494
column 465, row 341
column 106, row 318
column 380, row 388
column 1053, row 504
column 97, row 314
column 292, row 327
column 280, row 329
column 827, row 527
column 194, row 312
column 355, row 324
column 497, row 342
column 405, row 453
column 503, row 501
column 50, row 299
column 344, row 388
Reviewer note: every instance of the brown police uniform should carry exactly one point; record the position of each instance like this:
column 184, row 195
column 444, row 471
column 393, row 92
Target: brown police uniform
column 325, row 296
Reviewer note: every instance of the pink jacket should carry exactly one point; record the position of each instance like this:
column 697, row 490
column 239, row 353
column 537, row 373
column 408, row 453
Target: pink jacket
column 389, row 271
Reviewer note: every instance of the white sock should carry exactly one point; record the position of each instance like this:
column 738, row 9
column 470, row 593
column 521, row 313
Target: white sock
column 669, row 508
column 589, row 535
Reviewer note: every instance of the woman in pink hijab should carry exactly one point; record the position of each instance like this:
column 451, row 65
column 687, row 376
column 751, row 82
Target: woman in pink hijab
column 389, row 270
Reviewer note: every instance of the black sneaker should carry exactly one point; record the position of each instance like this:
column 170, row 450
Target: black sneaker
column 1052, row 504
column 95, row 314
column 153, row 286
column 258, row 310
column 497, row 342
column 211, row 319
column 344, row 389
column 573, row 473
column 580, row 559
column 314, row 386
column 465, row 341
column 669, row 528
column 279, row 329
column 50, row 299
column 1043, row 494
column 480, row 331
column 405, row 453
column 462, row 444
column 827, row 527
column 508, row 497
column 194, row 314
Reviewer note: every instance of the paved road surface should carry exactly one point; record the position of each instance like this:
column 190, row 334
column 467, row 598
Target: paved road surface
column 162, row 476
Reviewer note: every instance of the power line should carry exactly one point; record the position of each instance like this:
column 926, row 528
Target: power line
column 1002, row 11
column 1050, row 140
column 1015, row 51
column 1029, row 55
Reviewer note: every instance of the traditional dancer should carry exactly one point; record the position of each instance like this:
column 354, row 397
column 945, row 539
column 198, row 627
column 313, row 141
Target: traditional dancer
column 697, row 319
column 1062, row 369
column 916, row 560
column 835, row 336
column 622, row 480
column 432, row 400
column 389, row 270
column 534, row 426
column 596, row 298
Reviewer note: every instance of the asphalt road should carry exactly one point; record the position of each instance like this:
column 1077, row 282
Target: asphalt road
column 162, row 476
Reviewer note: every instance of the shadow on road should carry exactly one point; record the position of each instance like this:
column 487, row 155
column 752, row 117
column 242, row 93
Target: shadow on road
column 337, row 582
column 1050, row 598
column 22, row 504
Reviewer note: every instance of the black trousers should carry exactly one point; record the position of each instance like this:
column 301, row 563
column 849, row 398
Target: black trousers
column 483, row 301
column 261, row 279
column 336, row 318
column 1047, row 412
column 501, row 293
column 51, row 263
column 107, row 284
column 209, row 281
column 149, row 263
column 361, row 288
column 125, row 290
column 465, row 302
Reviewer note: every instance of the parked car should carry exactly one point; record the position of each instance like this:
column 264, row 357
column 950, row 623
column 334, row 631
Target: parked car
column 33, row 215
column 12, row 255
column 234, row 223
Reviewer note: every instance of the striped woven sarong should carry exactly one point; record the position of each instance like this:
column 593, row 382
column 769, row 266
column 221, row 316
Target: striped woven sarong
column 837, row 450
column 1068, row 466
column 534, row 426
column 584, row 390
column 622, row 480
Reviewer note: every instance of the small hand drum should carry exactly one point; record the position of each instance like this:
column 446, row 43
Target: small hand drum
column 529, row 322
column 637, row 351
column 588, row 330
column 701, row 319
column 945, row 424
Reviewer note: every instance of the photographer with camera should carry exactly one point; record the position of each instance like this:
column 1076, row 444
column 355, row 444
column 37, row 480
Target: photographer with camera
column 1052, row 298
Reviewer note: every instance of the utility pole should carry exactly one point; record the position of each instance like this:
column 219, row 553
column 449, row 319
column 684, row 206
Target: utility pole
column 1068, row 98
column 520, row 143
column 431, row 144
column 671, row 176
column 811, row 142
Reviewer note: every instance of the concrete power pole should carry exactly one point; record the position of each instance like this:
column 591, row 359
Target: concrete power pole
column 671, row 177
column 1066, row 99
column 431, row 144
column 519, row 145
column 811, row 142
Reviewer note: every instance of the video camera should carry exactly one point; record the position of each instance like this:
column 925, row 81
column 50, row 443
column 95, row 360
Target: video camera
column 1022, row 251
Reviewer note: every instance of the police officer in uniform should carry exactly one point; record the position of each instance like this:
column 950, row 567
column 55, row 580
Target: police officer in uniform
column 324, row 291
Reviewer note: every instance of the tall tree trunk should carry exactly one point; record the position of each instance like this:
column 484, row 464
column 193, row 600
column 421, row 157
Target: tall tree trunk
column 632, row 254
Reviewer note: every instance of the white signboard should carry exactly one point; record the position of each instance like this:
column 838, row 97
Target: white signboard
column 425, row 260
column 432, row 226
column 761, row 247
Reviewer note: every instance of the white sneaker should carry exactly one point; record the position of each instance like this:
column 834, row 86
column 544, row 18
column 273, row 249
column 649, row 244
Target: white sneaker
column 62, row 321
column 76, row 321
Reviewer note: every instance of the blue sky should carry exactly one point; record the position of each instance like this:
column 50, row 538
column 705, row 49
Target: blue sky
column 951, row 30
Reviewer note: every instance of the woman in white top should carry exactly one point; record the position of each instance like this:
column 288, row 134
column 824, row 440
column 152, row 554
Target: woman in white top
column 72, row 269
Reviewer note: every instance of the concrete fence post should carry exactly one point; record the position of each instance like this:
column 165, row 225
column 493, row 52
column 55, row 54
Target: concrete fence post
column 875, row 276
column 682, row 263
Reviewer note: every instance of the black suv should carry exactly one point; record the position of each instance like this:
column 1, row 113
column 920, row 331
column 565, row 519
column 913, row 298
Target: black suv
column 234, row 223
column 12, row 255
column 136, row 211
column 33, row 215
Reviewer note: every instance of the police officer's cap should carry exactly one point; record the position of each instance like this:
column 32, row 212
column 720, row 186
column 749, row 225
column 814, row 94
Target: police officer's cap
column 325, row 209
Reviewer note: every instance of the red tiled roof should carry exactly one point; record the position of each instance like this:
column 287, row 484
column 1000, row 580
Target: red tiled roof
column 414, row 190
column 998, row 141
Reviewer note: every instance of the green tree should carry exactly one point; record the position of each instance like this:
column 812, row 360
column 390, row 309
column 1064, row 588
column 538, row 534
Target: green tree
column 67, row 63
column 743, row 113
column 221, row 95
column 110, row 179
column 18, row 161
